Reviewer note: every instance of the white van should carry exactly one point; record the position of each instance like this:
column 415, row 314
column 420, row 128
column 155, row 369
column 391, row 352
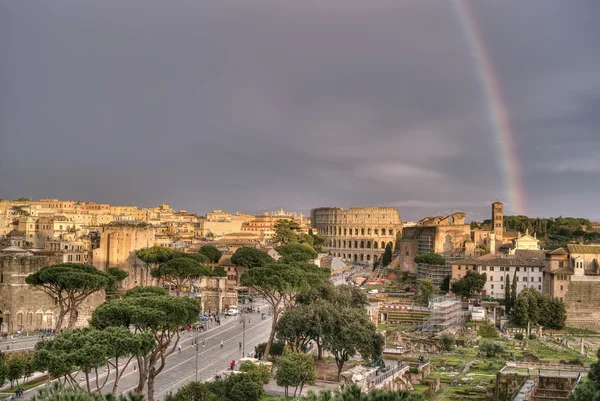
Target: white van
column 233, row 311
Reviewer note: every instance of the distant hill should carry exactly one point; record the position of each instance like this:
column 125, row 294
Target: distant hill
column 552, row 232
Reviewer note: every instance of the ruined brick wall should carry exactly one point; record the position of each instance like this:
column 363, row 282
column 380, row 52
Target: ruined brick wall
column 25, row 308
column 583, row 302
column 117, row 249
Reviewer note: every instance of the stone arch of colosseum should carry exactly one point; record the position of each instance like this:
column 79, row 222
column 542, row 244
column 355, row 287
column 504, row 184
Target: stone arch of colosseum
column 357, row 234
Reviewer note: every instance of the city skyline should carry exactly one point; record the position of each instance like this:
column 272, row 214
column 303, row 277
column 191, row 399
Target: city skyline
column 243, row 108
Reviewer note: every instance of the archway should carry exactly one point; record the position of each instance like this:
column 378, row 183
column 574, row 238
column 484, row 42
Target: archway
column 355, row 257
column 375, row 245
column 369, row 258
column 362, row 257
column 383, row 231
column 368, row 244
column 362, row 244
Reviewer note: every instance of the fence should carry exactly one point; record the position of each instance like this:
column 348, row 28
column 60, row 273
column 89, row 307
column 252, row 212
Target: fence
column 378, row 379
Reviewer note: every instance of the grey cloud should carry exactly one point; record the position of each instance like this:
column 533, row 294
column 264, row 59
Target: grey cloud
column 292, row 104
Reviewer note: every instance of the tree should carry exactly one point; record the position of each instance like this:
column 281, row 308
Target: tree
column 59, row 392
column 527, row 307
column 513, row 291
column 240, row 387
column 70, row 284
column 295, row 369
column 211, row 252
column 589, row 390
column 279, row 284
column 430, row 259
column 251, row 257
column 507, row 298
column 491, row 349
column 350, row 332
column 445, row 284
column 447, row 341
column 296, row 253
column 89, row 351
column 179, row 271
column 154, row 256
column 286, row 232
column 312, row 314
column 193, row 391
column 318, row 241
column 218, row 271
column 260, row 372
column 386, row 259
column 397, row 243
column 470, row 283
column 118, row 276
column 425, row 291
column 16, row 368
column 160, row 315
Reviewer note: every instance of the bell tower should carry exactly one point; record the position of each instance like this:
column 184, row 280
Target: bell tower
column 498, row 220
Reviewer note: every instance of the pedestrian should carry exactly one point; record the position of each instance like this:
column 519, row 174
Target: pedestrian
column 202, row 343
column 221, row 343
column 179, row 348
column 134, row 367
column 231, row 364
column 240, row 345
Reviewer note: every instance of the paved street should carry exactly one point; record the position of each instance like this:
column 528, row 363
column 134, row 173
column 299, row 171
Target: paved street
column 21, row 343
column 181, row 366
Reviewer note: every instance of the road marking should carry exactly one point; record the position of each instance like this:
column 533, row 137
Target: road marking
column 194, row 372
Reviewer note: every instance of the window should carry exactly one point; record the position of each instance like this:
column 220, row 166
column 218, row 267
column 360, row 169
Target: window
column 524, row 278
column 501, row 278
column 491, row 268
column 541, row 269
column 70, row 258
column 517, row 268
column 501, row 286
column 459, row 268
column 491, row 278
column 483, row 268
column 539, row 287
column 492, row 286
column 561, row 287
column 501, row 268
column 561, row 264
column 539, row 279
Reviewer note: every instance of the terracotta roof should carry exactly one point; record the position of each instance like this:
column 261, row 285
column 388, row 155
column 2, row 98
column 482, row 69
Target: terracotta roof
column 530, row 254
column 589, row 249
column 564, row 270
column 15, row 233
column 499, row 261
column 559, row 251
column 226, row 261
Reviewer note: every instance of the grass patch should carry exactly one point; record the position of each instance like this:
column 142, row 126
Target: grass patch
column 267, row 397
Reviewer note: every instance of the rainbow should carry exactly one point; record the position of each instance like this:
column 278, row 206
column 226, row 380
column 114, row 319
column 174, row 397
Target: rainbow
column 496, row 106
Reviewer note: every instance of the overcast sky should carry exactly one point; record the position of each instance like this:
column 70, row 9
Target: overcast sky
column 254, row 105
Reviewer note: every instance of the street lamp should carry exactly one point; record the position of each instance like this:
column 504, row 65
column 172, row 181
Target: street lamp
column 197, row 345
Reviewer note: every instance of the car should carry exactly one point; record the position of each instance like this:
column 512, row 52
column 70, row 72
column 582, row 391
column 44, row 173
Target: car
column 231, row 312
column 203, row 318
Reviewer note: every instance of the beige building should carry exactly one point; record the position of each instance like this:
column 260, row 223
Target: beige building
column 24, row 308
column 449, row 236
column 117, row 249
column 358, row 234
column 573, row 275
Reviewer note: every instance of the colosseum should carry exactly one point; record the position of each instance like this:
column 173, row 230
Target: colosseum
column 358, row 233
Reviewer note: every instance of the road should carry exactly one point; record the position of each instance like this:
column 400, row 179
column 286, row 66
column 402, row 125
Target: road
column 21, row 343
column 181, row 366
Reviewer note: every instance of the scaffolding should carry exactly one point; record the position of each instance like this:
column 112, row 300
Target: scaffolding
column 445, row 312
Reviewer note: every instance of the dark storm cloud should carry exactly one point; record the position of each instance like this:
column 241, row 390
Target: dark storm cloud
column 294, row 104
